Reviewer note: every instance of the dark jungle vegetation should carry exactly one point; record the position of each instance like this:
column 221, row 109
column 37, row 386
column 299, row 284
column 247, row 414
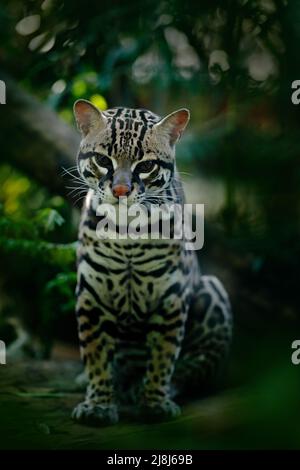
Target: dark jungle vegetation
column 232, row 63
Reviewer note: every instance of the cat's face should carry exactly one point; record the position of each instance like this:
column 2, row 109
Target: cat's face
column 127, row 152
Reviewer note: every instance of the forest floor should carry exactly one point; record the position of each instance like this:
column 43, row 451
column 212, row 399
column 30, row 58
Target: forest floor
column 37, row 397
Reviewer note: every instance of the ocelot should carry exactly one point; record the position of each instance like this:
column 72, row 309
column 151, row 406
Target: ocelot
column 149, row 323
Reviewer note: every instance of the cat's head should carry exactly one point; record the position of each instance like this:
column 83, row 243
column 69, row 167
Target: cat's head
column 127, row 152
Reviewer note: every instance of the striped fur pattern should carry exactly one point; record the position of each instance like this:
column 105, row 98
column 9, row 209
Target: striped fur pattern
column 146, row 316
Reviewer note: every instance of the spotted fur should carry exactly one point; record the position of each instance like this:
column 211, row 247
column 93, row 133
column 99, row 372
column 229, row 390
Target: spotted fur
column 146, row 316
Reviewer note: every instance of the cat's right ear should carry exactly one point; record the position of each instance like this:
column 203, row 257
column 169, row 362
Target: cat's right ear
column 88, row 117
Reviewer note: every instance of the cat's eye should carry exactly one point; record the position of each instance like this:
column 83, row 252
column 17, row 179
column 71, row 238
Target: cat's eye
column 145, row 167
column 104, row 161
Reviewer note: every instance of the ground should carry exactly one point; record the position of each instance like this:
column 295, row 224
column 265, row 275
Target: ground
column 37, row 397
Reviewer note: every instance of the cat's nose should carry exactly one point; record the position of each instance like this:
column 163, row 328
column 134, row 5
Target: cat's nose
column 120, row 190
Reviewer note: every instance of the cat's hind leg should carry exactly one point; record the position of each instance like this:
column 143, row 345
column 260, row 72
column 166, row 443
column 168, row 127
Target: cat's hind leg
column 207, row 338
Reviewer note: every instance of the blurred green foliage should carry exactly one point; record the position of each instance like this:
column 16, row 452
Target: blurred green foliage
column 37, row 274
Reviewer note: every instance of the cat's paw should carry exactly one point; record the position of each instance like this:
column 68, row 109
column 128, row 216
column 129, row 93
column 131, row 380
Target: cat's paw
column 159, row 411
column 95, row 414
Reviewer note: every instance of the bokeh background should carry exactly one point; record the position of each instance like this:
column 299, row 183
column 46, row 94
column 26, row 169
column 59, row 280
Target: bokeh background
column 232, row 63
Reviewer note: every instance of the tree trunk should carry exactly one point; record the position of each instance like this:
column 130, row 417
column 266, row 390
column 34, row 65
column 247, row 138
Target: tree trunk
column 35, row 140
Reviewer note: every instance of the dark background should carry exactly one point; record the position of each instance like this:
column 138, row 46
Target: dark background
column 232, row 64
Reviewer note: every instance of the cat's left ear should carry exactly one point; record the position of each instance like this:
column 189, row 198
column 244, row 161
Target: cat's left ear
column 174, row 124
column 88, row 117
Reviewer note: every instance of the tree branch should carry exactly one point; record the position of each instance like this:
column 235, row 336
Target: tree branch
column 35, row 140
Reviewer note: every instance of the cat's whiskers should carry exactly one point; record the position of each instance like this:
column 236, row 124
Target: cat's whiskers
column 78, row 186
column 77, row 191
column 184, row 173
column 74, row 177
column 80, row 198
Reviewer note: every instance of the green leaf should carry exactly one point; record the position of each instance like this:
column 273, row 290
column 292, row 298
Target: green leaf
column 48, row 219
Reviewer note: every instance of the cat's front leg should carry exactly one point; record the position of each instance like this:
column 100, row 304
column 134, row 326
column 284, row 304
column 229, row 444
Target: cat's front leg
column 166, row 331
column 97, row 345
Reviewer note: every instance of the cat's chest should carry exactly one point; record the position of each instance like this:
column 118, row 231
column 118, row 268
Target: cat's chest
column 136, row 274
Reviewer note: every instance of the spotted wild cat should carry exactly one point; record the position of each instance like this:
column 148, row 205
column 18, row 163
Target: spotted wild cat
column 146, row 316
